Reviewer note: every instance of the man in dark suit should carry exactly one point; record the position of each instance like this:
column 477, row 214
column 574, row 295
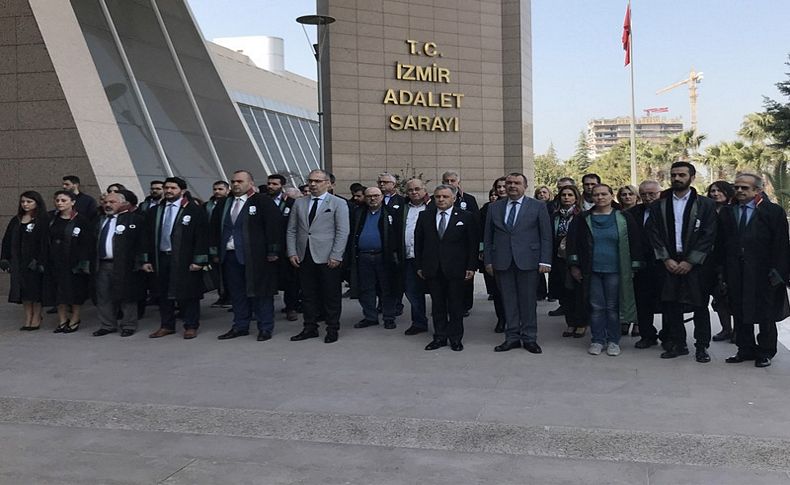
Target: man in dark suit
column 465, row 202
column 682, row 232
column 754, row 249
column 387, row 183
column 317, row 234
column 517, row 246
column 246, row 240
column 117, row 276
column 646, row 279
column 177, row 251
column 287, row 277
column 445, row 247
column 153, row 198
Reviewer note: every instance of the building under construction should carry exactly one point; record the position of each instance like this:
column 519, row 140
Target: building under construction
column 604, row 133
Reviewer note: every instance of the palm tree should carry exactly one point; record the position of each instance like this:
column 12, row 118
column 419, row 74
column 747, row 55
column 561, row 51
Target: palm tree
column 754, row 128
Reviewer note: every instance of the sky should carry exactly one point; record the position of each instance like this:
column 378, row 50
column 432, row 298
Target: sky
column 577, row 73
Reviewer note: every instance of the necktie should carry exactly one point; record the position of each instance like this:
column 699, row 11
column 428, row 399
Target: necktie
column 105, row 231
column 234, row 211
column 511, row 217
column 442, row 224
column 167, row 228
column 313, row 210
column 742, row 222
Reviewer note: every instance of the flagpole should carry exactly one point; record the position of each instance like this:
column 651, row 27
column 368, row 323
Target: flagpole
column 633, row 108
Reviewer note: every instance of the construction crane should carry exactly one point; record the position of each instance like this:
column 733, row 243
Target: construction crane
column 692, row 81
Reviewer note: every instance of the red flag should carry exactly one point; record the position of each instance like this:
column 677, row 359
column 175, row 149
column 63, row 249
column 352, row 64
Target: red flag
column 627, row 34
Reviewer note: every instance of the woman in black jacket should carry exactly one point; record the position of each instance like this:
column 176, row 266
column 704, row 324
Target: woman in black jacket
column 66, row 276
column 568, row 291
column 23, row 255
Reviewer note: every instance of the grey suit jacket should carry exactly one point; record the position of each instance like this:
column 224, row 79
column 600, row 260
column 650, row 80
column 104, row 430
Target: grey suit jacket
column 327, row 234
column 528, row 244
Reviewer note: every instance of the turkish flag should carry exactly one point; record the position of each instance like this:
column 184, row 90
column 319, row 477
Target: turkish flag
column 627, row 34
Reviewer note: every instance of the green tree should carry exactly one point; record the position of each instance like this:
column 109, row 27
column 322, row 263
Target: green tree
column 778, row 129
column 614, row 165
column 579, row 163
column 548, row 168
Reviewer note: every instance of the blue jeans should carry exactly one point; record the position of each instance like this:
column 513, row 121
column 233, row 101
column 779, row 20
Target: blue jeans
column 604, row 303
column 415, row 293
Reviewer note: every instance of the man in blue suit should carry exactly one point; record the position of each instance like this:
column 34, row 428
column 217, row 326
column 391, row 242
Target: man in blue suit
column 518, row 246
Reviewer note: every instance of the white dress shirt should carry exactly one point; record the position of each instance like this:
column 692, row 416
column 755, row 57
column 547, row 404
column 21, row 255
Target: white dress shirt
column 510, row 207
column 679, row 208
column 243, row 198
column 411, row 224
column 110, row 234
column 448, row 213
column 320, row 198
column 165, row 244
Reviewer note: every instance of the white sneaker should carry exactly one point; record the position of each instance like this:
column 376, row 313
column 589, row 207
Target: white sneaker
column 613, row 349
column 595, row 349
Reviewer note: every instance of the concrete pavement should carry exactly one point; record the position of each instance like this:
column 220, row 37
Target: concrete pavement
column 376, row 408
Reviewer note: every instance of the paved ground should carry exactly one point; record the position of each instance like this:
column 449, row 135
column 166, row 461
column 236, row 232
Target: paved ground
column 374, row 408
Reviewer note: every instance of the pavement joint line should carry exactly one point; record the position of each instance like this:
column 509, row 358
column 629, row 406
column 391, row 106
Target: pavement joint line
column 736, row 451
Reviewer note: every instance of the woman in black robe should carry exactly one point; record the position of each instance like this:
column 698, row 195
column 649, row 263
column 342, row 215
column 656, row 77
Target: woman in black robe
column 67, row 280
column 23, row 255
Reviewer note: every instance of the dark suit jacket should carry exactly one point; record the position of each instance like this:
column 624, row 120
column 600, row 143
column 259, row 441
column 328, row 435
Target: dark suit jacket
column 455, row 253
column 527, row 244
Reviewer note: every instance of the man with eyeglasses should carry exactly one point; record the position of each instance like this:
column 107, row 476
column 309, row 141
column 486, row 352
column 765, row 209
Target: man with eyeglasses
column 682, row 230
column 374, row 255
column 753, row 245
column 645, row 280
column 388, row 186
column 316, row 238
column 413, row 285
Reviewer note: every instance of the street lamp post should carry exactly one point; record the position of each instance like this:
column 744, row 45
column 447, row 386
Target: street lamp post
column 319, row 21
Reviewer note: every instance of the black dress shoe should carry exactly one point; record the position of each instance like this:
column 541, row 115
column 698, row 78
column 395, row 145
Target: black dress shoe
column 435, row 344
column 702, row 356
column 500, row 327
column 505, row 346
column 558, row 312
column 675, row 352
column 456, row 346
column 762, row 362
column 646, row 343
column 103, row 331
column 737, row 359
column 304, row 335
column 127, row 332
column 263, row 336
column 722, row 336
column 331, row 337
column 532, row 348
column 232, row 333
column 365, row 324
column 414, row 330
column 389, row 325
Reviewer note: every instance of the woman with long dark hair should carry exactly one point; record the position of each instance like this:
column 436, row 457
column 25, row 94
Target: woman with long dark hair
column 23, row 255
column 722, row 193
column 71, row 244
column 567, row 290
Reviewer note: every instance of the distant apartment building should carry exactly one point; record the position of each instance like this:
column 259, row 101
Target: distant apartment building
column 604, row 133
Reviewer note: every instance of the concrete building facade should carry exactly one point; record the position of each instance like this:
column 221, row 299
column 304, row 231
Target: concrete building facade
column 604, row 133
column 424, row 86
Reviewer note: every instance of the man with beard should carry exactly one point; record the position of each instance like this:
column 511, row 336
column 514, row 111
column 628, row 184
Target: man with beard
column 219, row 191
column 682, row 232
column 177, row 251
column 645, row 288
column 288, row 279
column 246, row 237
column 154, row 196
column 753, row 243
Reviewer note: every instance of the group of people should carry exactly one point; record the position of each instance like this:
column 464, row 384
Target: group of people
column 611, row 264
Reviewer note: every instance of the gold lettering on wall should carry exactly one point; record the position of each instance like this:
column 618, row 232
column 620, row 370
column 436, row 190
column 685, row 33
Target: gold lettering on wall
column 432, row 73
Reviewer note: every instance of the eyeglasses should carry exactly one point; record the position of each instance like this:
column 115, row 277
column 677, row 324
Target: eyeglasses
column 742, row 187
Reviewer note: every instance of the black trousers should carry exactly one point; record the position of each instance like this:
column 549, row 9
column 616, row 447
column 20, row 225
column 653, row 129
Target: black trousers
column 190, row 307
column 447, row 307
column 493, row 290
column 766, row 339
column 645, row 291
column 289, row 282
column 321, row 293
column 675, row 330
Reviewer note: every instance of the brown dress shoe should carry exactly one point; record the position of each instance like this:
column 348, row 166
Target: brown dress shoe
column 190, row 333
column 162, row 332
